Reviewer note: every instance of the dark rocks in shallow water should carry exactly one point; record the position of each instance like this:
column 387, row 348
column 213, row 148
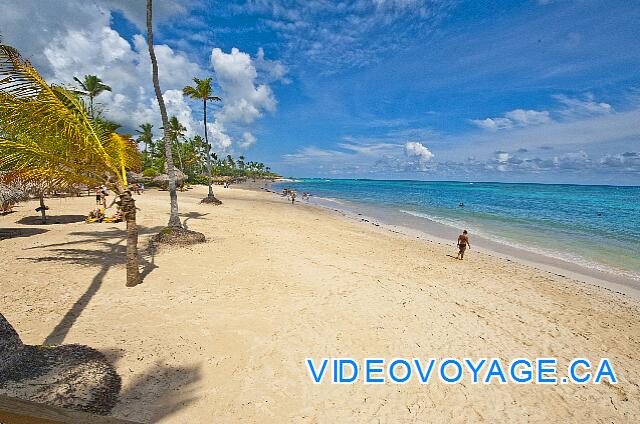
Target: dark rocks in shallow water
column 69, row 376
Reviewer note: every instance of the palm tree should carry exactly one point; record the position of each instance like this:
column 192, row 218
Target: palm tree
column 174, row 219
column 241, row 164
column 214, row 158
column 91, row 86
column 202, row 91
column 177, row 131
column 146, row 137
column 198, row 147
column 47, row 137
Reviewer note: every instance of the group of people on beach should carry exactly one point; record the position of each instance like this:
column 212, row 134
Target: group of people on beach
column 292, row 194
column 101, row 193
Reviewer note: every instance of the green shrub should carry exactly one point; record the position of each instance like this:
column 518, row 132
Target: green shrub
column 150, row 172
column 198, row 179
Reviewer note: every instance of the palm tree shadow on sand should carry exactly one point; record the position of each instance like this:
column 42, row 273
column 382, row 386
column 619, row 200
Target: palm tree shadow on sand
column 157, row 392
column 113, row 253
column 51, row 219
column 9, row 233
column 191, row 215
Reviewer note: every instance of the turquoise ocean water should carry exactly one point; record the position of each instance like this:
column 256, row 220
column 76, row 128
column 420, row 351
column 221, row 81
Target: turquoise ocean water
column 593, row 226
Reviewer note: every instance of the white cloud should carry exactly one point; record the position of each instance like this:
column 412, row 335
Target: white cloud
column 63, row 48
column 176, row 106
column 523, row 118
column 514, row 118
column 248, row 139
column 413, row 149
column 590, row 133
column 315, row 154
column 127, row 69
column 575, row 107
column 136, row 10
column 629, row 161
column 32, row 25
column 345, row 34
column 368, row 149
column 572, row 160
column 570, row 108
column 493, row 124
column 243, row 100
column 274, row 70
column 218, row 138
column 503, row 156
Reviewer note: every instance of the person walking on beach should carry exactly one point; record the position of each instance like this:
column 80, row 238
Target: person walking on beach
column 293, row 197
column 98, row 193
column 463, row 242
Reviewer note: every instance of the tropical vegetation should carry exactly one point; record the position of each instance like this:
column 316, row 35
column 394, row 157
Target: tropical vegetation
column 202, row 91
column 49, row 139
column 91, row 86
column 54, row 138
column 191, row 157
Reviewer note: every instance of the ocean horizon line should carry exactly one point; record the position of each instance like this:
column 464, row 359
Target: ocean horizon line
column 464, row 182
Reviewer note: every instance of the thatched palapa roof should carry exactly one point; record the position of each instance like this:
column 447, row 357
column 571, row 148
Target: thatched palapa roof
column 164, row 178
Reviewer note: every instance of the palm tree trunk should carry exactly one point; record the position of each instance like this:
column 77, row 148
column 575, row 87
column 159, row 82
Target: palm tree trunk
column 91, row 106
column 43, row 209
column 206, row 140
column 178, row 148
column 174, row 219
column 210, row 199
column 128, row 206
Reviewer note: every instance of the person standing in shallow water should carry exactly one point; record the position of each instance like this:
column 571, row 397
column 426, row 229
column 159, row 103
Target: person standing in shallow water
column 463, row 242
column 293, row 197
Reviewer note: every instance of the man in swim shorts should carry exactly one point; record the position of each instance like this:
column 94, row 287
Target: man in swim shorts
column 463, row 242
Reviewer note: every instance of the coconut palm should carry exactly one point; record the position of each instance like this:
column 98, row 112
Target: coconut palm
column 241, row 164
column 194, row 150
column 174, row 219
column 47, row 137
column 91, row 86
column 146, row 137
column 202, row 91
column 176, row 132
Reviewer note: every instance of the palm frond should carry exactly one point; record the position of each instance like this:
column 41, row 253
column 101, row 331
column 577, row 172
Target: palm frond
column 47, row 133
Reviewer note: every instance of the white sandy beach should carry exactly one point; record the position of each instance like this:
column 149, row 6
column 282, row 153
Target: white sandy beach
column 219, row 332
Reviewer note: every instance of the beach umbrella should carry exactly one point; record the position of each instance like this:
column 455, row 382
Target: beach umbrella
column 134, row 177
column 164, row 178
column 14, row 189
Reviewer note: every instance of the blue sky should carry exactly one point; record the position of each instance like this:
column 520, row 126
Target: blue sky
column 544, row 91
